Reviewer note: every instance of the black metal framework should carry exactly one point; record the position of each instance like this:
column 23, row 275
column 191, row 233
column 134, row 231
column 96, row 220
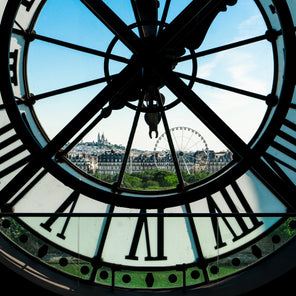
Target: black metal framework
column 180, row 277
column 32, row 160
column 79, row 126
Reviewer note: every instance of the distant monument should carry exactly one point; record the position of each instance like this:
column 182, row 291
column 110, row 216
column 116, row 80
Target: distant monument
column 102, row 140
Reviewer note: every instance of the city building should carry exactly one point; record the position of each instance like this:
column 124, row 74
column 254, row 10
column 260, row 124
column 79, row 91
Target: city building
column 102, row 157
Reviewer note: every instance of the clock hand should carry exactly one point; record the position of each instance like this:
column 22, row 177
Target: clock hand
column 189, row 28
column 195, row 19
column 115, row 24
column 117, row 102
column 121, row 84
column 202, row 111
column 146, row 13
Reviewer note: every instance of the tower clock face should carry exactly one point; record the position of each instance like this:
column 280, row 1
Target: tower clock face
column 220, row 74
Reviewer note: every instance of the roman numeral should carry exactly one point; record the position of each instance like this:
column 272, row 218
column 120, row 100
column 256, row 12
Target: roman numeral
column 288, row 138
column 234, row 223
column 25, row 190
column 18, row 181
column 13, row 66
column 69, row 202
column 142, row 223
column 8, row 160
column 281, row 156
column 8, row 127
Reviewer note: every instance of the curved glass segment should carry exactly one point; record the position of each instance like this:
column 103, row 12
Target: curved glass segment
column 147, row 145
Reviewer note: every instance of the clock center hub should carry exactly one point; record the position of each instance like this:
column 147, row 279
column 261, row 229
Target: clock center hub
column 167, row 59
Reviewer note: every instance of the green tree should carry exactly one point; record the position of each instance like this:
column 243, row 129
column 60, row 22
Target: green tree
column 108, row 178
column 145, row 176
column 170, row 181
column 160, row 176
column 132, row 182
column 151, row 184
column 192, row 178
column 153, row 179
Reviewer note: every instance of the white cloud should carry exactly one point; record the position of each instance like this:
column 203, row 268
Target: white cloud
column 205, row 70
column 252, row 26
column 246, row 73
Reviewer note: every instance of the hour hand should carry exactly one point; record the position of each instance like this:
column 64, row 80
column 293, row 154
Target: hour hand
column 189, row 28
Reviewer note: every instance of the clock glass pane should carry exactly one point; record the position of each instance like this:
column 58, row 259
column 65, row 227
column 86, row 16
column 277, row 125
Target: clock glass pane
column 71, row 61
column 140, row 153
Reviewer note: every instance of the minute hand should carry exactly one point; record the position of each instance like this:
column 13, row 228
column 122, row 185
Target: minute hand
column 189, row 28
column 110, row 19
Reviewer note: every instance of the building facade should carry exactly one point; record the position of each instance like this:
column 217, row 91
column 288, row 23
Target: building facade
column 96, row 161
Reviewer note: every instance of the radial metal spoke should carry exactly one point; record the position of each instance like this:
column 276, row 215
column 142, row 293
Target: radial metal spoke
column 129, row 144
column 189, row 28
column 266, row 36
column 101, row 241
column 105, row 112
column 73, row 46
column 224, row 87
column 123, row 81
column 202, row 261
column 82, row 134
column 172, row 148
column 164, row 16
column 187, row 143
column 137, row 17
column 176, row 142
column 194, row 145
column 69, row 88
column 196, row 105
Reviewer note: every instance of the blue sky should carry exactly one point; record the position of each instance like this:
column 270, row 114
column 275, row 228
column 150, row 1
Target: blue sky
column 53, row 67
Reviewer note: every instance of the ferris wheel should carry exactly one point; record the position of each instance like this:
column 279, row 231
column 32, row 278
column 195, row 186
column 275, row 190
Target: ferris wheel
column 190, row 147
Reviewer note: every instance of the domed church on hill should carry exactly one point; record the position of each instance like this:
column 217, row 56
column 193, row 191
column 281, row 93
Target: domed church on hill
column 102, row 140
